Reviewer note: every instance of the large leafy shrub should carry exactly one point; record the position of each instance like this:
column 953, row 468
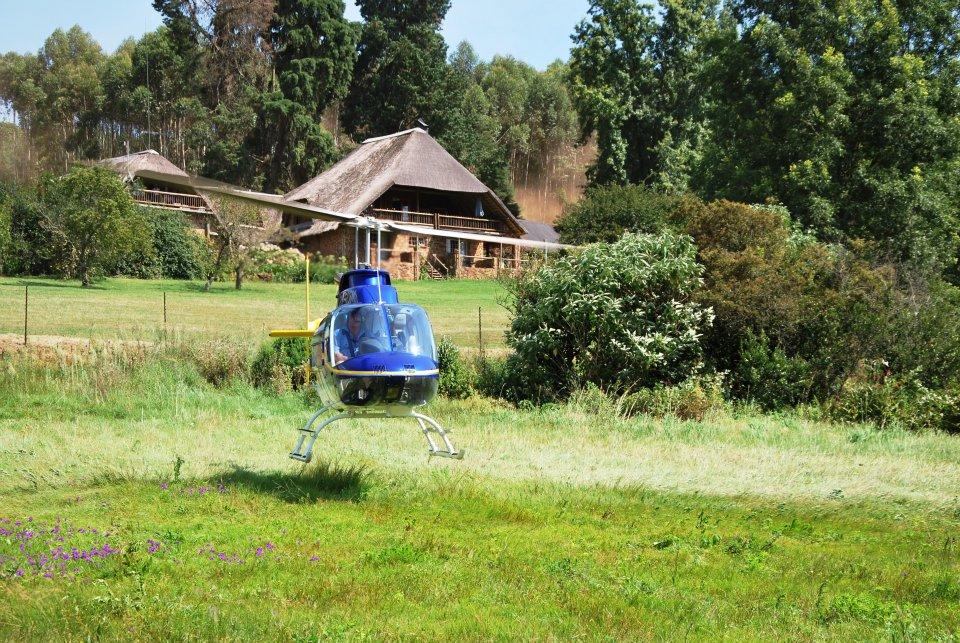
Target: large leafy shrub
column 29, row 251
column 181, row 253
column 810, row 302
column 767, row 376
column 620, row 315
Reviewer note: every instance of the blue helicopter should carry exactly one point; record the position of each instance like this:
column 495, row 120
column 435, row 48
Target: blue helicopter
column 374, row 357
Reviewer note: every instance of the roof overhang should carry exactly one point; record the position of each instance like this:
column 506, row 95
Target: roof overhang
column 470, row 236
column 216, row 188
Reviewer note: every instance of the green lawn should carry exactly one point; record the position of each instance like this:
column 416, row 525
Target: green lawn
column 561, row 522
column 133, row 308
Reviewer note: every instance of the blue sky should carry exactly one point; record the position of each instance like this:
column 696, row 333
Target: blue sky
column 537, row 32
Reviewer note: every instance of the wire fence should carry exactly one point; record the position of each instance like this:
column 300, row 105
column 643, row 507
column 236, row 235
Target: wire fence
column 45, row 310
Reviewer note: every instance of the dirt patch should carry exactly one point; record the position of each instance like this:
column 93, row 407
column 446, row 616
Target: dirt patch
column 58, row 347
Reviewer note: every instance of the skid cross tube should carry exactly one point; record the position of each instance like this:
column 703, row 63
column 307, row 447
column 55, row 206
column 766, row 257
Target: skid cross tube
column 303, row 451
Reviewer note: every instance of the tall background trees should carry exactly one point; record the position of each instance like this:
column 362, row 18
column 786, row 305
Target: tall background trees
column 271, row 92
column 844, row 112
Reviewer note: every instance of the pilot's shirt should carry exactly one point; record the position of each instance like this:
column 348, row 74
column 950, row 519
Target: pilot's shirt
column 347, row 344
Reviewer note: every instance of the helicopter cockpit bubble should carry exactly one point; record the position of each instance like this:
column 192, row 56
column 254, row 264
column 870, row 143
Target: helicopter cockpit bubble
column 364, row 329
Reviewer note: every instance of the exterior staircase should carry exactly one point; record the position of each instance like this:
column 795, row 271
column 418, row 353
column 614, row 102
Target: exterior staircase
column 433, row 272
column 436, row 268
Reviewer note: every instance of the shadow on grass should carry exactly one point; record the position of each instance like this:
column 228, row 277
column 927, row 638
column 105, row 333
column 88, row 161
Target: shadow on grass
column 321, row 480
column 71, row 284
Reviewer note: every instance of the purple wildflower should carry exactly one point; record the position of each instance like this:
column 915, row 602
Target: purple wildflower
column 19, row 572
column 269, row 545
column 164, row 486
column 259, row 552
column 314, row 559
column 152, row 546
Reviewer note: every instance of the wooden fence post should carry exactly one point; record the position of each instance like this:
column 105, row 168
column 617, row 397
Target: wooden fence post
column 26, row 307
column 164, row 308
column 480, row 329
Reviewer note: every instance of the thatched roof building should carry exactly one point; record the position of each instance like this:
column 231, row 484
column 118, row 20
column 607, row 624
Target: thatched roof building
column 131, row 165
column 411, row 161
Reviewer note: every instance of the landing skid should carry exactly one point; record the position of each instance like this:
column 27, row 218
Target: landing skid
column 303, row 451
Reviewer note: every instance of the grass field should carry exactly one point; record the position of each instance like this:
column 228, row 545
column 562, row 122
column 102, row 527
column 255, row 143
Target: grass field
column 133, row 308
column 167, row 509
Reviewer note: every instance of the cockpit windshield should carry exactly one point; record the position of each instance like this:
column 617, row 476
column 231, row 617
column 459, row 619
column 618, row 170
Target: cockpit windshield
column 377, row 328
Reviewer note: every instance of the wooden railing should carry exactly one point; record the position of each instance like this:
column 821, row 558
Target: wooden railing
column 173, row 200
column 438, row 221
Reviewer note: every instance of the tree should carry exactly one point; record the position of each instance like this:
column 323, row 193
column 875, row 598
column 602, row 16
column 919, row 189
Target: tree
column 314, row 53
column 92, row 221
column 607, row 212
column 637, row 84
column 847, row 117
column 472, row 130
column 241, row 227
column 399, row 76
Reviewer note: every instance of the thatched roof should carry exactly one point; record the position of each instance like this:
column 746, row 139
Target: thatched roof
column 411, row 158
column 131, row 165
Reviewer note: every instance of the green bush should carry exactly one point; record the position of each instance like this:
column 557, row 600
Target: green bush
column 280, row 364
column 817, row 304
column 619, row 315
column 456, row 378
column 181, row 253
column 606, row 212
column 877, row 397
column 766, row 375
column 29, row 251
column 499, row 377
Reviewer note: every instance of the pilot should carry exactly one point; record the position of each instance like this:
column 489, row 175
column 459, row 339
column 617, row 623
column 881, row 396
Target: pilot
column 347, row 340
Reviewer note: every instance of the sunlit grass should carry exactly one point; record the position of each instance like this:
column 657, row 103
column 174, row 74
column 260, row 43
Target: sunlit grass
column 133, row 308
column 561, row 522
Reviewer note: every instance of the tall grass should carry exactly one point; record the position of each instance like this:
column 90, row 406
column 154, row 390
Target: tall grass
column 566, row 521
column 136, row 411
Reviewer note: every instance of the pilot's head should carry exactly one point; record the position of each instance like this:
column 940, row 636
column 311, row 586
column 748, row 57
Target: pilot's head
column 353, row 322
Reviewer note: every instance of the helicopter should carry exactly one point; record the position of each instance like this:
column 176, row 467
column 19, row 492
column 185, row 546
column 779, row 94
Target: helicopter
column 374, row 357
